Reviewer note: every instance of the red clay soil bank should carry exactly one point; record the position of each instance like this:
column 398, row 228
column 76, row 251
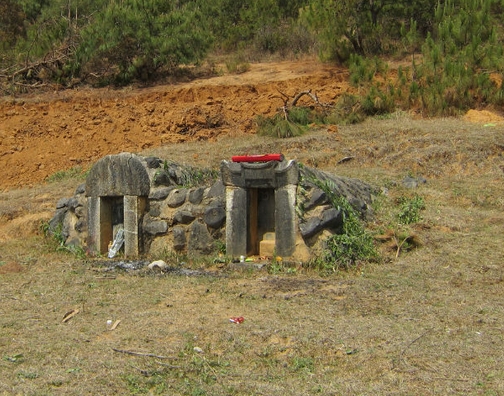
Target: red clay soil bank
column 41, row 134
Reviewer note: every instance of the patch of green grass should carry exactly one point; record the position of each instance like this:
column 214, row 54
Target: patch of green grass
column 27, row 375
column 75, row 172
column 303, row 364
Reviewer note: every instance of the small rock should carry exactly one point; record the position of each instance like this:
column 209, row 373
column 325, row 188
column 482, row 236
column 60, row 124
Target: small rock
column 176, row 198
column 153, row 162
column 411, row 182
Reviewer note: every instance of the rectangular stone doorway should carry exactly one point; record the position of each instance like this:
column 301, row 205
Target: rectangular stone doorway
column 108, row 214
column 112, row 219
column 261, row 220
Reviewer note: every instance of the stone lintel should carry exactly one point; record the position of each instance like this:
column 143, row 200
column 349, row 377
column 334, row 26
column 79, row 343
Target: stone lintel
column 118, row 175
column 271, row 174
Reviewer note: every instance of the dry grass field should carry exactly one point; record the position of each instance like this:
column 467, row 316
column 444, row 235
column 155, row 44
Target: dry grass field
column 428, row 321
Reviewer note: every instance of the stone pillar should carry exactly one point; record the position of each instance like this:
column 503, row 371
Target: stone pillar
column 285, row 220
column 99, row 225
column 236, row 221
column 93, row 217
column 134, row 208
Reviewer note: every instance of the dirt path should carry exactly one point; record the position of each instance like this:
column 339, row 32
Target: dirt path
column 44, row 134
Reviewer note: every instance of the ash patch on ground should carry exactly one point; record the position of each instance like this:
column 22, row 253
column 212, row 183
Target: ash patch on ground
column 140, row 267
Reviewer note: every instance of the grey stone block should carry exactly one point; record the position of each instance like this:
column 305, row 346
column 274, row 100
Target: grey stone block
column 196, row 195
column 162, row 178
column 155, row 227
column 81, row 189
column 183, row 217
column 316, row 197
column 117, row 175
column 214, row 216
column 176, row 198
column 217, row 190
column 200, row 241
column 160, row 193
column 153, row 162
column 179, row 238
column 63, row 202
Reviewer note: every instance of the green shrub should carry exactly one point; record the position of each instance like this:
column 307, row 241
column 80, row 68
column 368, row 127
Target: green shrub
column 409, row 209
column 354, row 245
column 301, row 115
column 363, row 70
column 56, row 241
column 277, row 126
column 348, row 110
column 236, row 65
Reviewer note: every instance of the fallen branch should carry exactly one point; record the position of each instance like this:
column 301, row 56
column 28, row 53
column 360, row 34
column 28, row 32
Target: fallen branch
column 401, row 358
column 142, row 354
column 285, row 98
column 301, row 94
column 69, row 315
column 34, row 85
column 415, row 340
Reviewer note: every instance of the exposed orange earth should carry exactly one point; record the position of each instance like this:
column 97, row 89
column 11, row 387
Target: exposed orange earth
column 44, row 133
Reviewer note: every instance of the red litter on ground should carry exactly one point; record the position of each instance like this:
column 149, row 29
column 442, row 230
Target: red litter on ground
column 237, row 319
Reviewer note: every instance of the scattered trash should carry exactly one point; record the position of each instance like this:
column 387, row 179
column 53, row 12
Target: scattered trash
column 242, row 259
column 345, row 159
column 237, row 319
column 114, row 326
column 69, row 315
column 116, row 245
column 491, row 124
column 158, row 264
column 109, row 324
column 198, row 350
column 18, row 358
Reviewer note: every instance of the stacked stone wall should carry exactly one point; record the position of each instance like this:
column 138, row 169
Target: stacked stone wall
column 192, row 219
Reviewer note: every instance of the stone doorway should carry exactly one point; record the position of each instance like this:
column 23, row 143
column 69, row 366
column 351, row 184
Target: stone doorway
column 111, row 221
column 260, row 207
column 117, row 190
column 261, row 218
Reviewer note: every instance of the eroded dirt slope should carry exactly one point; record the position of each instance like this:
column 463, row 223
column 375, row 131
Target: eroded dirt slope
column 43, row 134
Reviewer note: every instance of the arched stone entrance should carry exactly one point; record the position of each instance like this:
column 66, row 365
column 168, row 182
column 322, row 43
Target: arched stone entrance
column 117, row 190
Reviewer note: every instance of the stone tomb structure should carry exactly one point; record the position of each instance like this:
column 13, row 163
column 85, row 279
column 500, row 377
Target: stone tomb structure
column 260, row 207
column 117, row 190
column 253, row 208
